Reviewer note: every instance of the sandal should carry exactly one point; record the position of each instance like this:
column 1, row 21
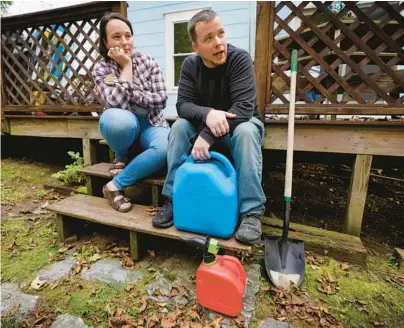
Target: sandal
column 116, row 165
column 117, row 204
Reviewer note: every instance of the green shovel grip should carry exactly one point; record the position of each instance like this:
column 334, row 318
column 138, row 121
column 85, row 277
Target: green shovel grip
column 294, row 61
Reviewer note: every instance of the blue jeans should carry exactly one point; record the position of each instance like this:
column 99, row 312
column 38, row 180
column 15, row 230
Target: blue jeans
column 121, row 128
column 245, row 145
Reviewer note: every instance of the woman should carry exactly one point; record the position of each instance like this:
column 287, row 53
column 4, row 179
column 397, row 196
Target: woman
column 132, row 88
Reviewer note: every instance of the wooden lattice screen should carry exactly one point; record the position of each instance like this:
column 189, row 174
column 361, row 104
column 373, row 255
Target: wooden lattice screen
column 349, row 55
column 47, row 59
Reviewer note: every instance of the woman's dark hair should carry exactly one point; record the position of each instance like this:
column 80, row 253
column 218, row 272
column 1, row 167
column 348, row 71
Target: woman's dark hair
column 103, row 30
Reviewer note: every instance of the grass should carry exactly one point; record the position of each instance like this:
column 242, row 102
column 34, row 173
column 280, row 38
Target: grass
column 25, row 248
column 20, row 180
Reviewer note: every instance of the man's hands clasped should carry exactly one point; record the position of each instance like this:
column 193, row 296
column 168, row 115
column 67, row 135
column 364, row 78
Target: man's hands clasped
column 217, row 122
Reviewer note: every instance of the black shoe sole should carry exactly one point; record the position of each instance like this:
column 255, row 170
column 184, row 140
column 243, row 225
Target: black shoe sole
column 163, row 225
column 248, row 242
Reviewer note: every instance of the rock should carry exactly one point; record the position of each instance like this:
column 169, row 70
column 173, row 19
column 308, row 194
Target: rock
column 53, row 272
column 16, row 303
column 159, row 290
column 110, row 271
column 68, row 321
column 271, row 323
column 253, row 285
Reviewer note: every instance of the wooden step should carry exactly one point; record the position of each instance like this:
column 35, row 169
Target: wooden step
column 102, row 170
column 95, row 209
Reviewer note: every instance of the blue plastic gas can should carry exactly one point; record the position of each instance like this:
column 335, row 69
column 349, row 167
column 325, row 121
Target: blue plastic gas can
column 205, row 196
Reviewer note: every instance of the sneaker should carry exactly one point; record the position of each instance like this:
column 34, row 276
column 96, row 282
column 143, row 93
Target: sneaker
column 164, row 218
column 249, row 231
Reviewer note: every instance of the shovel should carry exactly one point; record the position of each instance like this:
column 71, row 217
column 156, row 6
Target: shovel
column 284, row 258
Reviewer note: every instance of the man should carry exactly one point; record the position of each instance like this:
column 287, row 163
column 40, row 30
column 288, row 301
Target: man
column 217, row 105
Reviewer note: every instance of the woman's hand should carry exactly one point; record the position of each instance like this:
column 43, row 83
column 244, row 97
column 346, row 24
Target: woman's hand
column 117, row 54
column 109, row 80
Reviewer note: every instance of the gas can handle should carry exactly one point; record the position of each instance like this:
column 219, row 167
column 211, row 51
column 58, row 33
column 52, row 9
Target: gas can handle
column 236, row 263
column 219, row 157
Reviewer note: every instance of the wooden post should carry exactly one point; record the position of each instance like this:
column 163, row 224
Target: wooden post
column 121, row 7
column 134, row 245
column 4, row 127
column 357, row 194
column 65, row 227
column 155, row 195
column 89, row 152
column 263, row 51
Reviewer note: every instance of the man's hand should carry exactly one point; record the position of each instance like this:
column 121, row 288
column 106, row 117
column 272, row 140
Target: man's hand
column 117, row 54
column 217, row 122
column 200, row 150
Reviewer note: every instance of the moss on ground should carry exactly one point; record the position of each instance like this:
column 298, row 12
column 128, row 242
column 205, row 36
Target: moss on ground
column 26, row 248
column 21, row 180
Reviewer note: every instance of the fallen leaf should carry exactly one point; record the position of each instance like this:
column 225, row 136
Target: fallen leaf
column 216, row 323
column 330, row 278
column 314, row 267
column 168, row 322
column 127, row 262
column 174, row 292
column 196, row 325
column 377, row 323
column 152, row 321
column 95, row 258
column 109, row 310
column 128, row 288
column 345, row 266
column 193, row 314
column 152, row 253
column 143, row 300
column 296, row 300
column 240, row 320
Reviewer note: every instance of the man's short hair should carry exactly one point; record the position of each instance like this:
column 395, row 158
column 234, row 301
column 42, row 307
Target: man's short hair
column 205, row 15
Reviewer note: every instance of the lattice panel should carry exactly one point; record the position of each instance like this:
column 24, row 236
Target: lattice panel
column 51, row 65
column 349, row 52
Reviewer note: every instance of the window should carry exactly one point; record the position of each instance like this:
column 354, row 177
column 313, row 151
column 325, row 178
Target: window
column 178, row 45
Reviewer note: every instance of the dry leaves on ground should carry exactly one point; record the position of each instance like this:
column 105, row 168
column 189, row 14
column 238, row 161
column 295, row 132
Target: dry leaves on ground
column 296, row 305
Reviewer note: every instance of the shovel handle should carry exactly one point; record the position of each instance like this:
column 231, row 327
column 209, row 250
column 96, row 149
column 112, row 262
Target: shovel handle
column 291, row 129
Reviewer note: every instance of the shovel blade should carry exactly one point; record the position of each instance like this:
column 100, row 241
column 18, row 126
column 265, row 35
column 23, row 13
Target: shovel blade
column 284, row 261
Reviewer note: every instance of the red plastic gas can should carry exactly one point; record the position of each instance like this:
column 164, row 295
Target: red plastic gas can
column 220, row 285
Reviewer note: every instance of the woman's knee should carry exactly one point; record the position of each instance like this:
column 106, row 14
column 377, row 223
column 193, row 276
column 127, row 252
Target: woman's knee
column 117, row 120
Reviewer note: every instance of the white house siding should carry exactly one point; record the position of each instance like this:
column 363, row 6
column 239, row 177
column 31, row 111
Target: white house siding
column 148, row 21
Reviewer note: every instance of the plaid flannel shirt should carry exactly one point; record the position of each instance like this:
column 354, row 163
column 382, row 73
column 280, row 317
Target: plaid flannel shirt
column 148, row 89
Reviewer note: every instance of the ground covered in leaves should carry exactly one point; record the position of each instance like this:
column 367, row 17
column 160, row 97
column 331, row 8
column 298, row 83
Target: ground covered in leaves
column 334, row 294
